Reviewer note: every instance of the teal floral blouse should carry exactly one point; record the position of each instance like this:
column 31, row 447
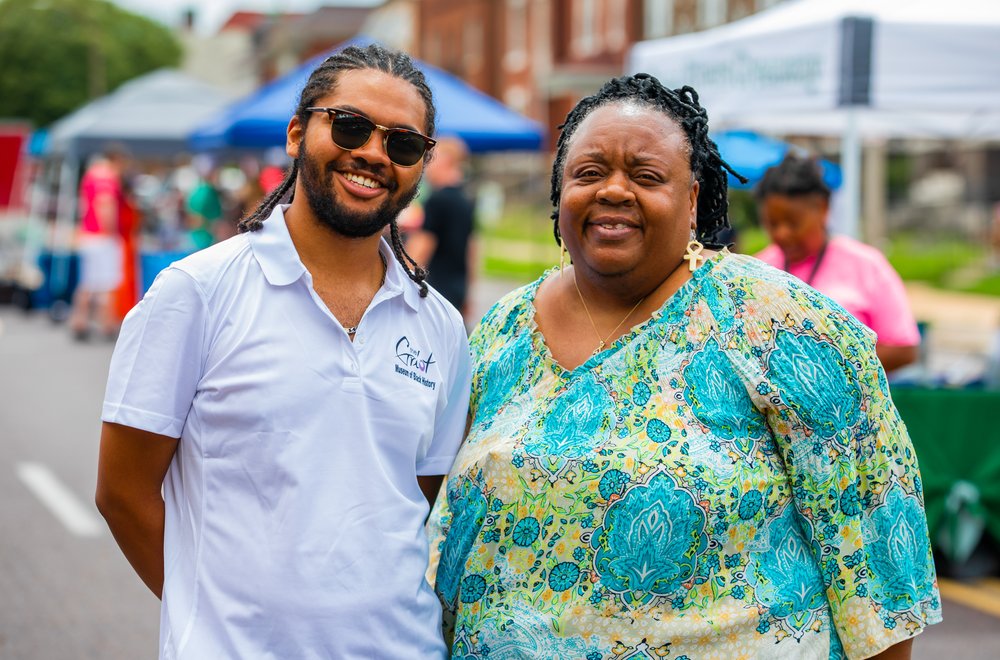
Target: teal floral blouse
column 728, row 480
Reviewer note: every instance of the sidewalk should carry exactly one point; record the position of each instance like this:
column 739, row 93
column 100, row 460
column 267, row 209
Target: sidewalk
column 961, row 323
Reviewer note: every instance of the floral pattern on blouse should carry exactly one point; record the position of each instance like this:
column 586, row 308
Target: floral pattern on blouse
column 728, row 480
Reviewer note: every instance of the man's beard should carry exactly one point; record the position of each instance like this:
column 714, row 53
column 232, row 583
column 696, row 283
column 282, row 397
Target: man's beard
column 330, row 212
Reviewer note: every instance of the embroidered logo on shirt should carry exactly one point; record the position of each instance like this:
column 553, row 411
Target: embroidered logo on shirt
column 416, row 366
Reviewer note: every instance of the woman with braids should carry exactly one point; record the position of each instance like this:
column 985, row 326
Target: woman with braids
column 298, row 393
column 674, row 451
column 794, row 201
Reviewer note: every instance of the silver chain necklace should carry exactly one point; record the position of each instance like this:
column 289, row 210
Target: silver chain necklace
column 353, row 329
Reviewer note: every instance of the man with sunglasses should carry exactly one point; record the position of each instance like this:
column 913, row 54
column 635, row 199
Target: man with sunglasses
column 297, row 391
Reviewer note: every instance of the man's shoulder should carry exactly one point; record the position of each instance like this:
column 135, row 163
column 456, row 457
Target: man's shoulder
column 208, row 267
column 435, row 310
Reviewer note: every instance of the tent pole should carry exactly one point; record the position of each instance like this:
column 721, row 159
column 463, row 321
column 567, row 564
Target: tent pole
column 850, row 162
column 62, row 239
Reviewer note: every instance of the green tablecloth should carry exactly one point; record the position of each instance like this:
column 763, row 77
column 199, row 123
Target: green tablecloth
column 956, row 434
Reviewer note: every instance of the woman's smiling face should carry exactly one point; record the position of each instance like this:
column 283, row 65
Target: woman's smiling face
column 628, row 201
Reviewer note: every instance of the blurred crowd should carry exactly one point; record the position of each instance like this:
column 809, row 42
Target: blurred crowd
column 200, row 201
column 127, row 208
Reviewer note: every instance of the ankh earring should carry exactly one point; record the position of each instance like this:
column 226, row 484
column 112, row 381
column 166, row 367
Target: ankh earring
column 693, row 254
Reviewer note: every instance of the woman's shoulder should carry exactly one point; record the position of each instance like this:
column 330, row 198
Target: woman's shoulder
column 763, row 294
column 513, row 309
column 735, row 267
column 740, row 278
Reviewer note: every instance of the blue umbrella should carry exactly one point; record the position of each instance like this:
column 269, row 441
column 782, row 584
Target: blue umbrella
column 260, row 119
column 751, row 154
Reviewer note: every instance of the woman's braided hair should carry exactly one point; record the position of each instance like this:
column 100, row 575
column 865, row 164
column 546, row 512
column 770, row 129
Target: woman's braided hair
column 796, row 176
column 682, row 106
column 323, row 81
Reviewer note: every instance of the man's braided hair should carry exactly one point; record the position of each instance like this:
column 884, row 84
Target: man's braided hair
column 682, row 106
column 323, row 81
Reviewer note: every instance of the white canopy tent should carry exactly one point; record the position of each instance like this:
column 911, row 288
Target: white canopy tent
column 151, row 116
column 850, row 68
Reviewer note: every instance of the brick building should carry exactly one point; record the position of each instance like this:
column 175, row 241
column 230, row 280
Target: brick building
column 541, row 56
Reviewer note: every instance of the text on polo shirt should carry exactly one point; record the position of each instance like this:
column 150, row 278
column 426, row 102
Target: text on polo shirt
column 416, row 366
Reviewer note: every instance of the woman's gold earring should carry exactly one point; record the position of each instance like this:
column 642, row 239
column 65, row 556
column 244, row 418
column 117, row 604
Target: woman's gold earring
column 562, row 258
column 693, row 254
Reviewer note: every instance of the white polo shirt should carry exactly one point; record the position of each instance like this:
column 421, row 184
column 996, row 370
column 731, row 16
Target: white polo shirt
column 294, row 522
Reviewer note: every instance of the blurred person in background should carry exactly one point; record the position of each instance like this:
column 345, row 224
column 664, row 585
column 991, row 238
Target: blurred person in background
column 273, row 173
column 672, row 449
column 204, row 203
column 130, row 219
column 100, row 245
column 793, row 203
column 245, row 200
column 442, row 243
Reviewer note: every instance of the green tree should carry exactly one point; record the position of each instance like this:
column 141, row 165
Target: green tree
column 56, row 55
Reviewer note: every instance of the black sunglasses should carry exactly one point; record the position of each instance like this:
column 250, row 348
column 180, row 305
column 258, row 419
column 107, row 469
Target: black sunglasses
column 351, row 131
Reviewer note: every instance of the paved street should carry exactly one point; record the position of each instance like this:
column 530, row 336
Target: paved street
column 65, row 589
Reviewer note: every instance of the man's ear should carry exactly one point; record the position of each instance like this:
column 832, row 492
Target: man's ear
column 293, row 137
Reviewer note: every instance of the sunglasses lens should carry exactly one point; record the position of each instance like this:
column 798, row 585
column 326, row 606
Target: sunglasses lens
column 350, row 132
column 405, row 148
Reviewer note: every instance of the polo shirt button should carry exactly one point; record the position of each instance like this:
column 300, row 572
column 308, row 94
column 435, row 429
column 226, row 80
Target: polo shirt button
column 361, row 340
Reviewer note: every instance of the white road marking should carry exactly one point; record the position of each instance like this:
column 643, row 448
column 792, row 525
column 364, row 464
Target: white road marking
column 59, row 499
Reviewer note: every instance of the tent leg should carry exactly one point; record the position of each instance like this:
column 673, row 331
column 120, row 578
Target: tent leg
column 850, row 161
column 874, row 194
column 62, row 240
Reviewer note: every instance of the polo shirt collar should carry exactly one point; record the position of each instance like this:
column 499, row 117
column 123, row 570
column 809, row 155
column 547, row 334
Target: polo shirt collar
column 396, row 279
column 279, row 260
column 273, row 248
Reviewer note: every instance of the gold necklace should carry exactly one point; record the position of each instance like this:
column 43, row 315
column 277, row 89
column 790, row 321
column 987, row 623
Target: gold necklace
column 353, row 330
column 603, row 342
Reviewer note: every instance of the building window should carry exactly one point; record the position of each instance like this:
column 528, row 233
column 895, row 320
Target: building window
column 517, row 97
column 585, row 35
column 616, row 19
column 658, row 18
column 516, row 56
column 472, row 44
column 711, row 13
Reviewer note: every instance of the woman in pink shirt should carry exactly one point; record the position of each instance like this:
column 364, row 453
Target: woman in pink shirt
column 793, row 202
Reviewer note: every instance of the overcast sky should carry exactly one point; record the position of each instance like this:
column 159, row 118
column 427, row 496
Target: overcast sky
column 210, row 14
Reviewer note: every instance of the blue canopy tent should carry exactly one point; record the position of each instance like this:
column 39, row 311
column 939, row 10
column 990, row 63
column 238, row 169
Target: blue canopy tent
column 259, row 120
column 751, row 154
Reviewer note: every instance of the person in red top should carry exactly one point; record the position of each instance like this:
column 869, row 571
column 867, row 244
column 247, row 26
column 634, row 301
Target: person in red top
column 99, row 244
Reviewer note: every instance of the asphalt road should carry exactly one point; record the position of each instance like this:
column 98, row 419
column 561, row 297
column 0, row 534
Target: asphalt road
column 65, row 589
